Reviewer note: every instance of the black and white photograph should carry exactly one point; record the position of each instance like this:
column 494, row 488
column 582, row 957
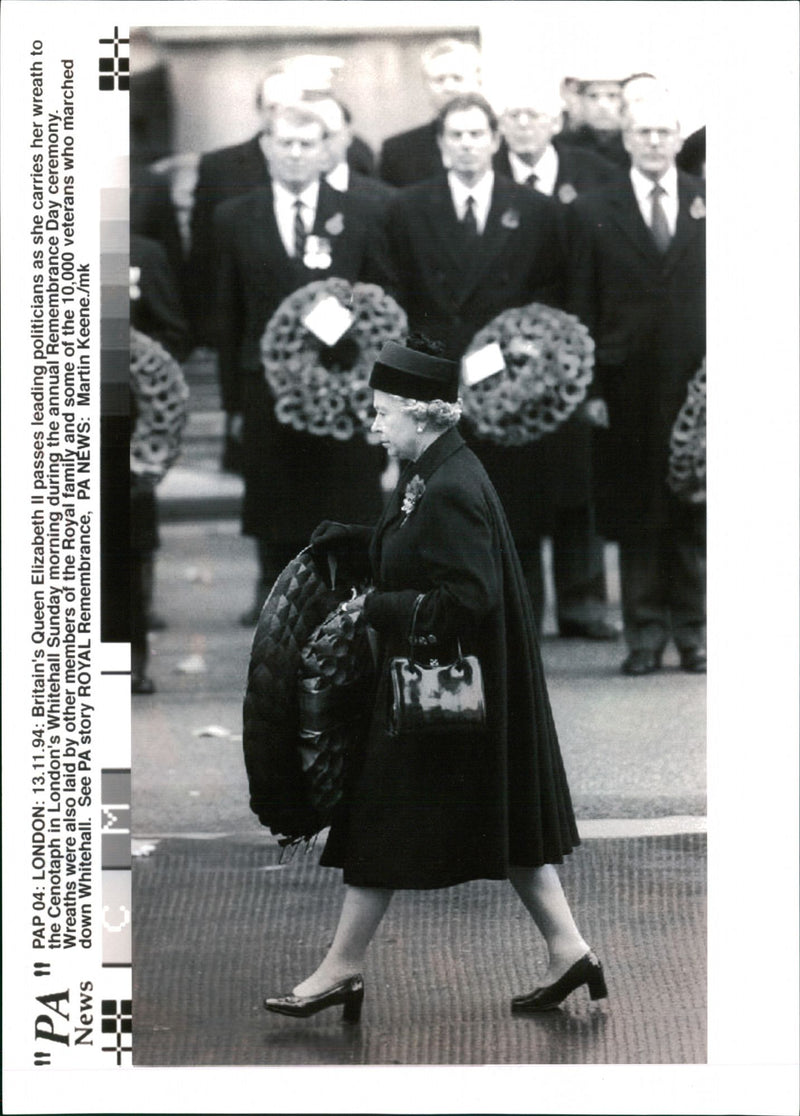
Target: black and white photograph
column 437, row 619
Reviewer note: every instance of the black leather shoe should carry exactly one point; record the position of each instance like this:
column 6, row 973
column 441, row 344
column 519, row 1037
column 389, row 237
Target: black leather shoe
column 349, row 993
column 586, row 971
column 693, row 660
column 594, row 629
column 642, row 661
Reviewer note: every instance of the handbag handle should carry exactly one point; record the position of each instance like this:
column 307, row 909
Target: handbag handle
column 411, row 664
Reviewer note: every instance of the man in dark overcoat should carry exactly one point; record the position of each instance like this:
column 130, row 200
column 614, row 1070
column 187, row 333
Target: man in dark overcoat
column 638, row 281
column 454, row 275
column 292, row 479
column 230, row 172
column 450, row 67
column 600, row 130
column 534, row 155
column 337, row 170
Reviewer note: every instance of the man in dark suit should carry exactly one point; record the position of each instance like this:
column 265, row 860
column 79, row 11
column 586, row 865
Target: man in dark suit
column 465, row 246
column 638, row 281
column 270, row 242
column 533, row 155
column 152, row 215
column 601, row 121
column 230, row 172
column 450, row 67
column 337, row 170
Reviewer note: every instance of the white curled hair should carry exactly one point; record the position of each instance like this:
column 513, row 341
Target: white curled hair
column 441, row 416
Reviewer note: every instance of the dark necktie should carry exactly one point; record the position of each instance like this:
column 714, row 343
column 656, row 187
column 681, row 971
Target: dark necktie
column 299, row 230
column 469, row 221
column 531, row 181
column 658, row 219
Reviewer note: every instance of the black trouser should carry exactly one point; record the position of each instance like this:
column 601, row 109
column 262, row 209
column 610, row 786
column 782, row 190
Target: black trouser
column 663, row 581
column 578, row 567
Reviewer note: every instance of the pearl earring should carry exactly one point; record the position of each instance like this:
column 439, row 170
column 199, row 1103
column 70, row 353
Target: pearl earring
column 420, row 429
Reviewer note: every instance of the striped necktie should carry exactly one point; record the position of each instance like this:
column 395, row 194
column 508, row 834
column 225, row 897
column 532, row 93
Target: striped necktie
column 658, row 219
column 299, row 230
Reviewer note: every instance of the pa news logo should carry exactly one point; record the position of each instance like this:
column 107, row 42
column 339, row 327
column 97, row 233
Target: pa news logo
column 115, row 69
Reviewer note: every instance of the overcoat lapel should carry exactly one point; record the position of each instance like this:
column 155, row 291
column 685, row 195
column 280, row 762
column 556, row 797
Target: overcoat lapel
column 266, row 238
column 329, row 203
column 443, row 228
column 425, row 467
column 625, row 213
column 493, row 240
column 687, row 227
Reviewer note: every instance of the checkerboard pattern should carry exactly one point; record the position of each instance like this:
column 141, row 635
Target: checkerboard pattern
column 115, row 68
column 117, row 1020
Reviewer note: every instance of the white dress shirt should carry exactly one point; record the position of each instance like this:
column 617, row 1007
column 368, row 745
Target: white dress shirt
column 339, row 177
column 546, row 170
column 643, row 189
column 481, row 192
column 284, row 202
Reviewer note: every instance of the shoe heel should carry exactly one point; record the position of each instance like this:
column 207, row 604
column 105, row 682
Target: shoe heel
column 597, row 985
column 351, row 1011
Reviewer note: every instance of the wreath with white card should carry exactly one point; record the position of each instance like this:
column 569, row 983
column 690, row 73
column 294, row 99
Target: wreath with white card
column 525, row 373
column 318, row 350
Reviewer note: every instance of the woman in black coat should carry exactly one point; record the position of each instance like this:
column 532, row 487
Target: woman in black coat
column 493, row 804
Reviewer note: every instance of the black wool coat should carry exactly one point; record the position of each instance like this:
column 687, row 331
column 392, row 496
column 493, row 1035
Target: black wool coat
column 450, row 290
column 411, row 156
column 578, row 168
column 293, row 479
column 426, row 814
column 560, row 464
column 647, row 314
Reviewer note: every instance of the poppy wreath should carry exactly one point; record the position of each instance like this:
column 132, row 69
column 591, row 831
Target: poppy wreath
column 324, row 389
column 334, row 689
column 301, row 715
column 549, row 363
column 160, row 398
column 686, row 475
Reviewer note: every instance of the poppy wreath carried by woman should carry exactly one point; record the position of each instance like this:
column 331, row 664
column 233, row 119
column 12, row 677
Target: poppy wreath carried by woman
column 324, row 389
column 335, row 683
column 307, row 649
column 549, row 363
column 687, row 445
column 160, row 398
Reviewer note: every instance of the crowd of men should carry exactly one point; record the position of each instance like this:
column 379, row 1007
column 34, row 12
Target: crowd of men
column 608, row 223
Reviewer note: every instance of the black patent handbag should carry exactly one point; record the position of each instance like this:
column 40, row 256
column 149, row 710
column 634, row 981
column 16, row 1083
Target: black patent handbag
column 436, row 698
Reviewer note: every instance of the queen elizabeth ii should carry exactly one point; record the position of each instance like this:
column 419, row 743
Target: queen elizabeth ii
column 437, row 811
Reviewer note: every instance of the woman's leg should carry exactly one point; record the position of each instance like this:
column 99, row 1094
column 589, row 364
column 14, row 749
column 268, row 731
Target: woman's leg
column 362, row 910
column 541, row 892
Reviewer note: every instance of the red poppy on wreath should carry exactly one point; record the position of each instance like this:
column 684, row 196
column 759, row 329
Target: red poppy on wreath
column 697, row 209
column 567, row 193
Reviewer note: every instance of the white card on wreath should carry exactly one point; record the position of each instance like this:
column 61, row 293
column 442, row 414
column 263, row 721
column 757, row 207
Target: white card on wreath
column 328, row 320
column 481, row 364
